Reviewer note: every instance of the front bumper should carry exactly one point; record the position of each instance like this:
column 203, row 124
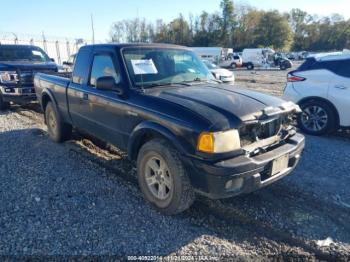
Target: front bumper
column 18, row 95
column 243, row 174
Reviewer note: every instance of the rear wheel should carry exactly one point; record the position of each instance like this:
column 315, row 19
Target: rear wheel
column 233, row 66
column 283, row 67
column 317, row 118
column 162, row 177
column 3, row 105
column 57, row 129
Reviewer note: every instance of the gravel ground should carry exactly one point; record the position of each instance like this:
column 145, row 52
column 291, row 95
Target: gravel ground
column 81, row 198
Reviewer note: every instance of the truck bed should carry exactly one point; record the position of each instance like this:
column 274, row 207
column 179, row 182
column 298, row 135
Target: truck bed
column 56, row 85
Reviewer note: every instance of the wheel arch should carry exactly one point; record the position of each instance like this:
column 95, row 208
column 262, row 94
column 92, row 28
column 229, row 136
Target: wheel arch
column 316, row 98
column 47, row 97
column 147, row 131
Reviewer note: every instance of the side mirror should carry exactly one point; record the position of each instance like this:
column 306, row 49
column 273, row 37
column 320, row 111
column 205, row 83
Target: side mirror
column 108, row 83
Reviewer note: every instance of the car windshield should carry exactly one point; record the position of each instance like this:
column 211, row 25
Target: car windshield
column 22, row 53
column 150, row 67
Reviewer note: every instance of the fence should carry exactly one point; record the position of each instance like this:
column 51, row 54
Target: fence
column 57, row 48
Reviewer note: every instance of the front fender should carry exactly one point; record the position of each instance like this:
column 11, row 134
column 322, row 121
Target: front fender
column 153, row 129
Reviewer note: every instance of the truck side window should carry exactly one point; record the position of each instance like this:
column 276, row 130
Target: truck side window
column 103, row 66
column 81, row 67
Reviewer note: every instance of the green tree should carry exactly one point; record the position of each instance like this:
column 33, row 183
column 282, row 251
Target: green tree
column 273, row 30
column 228, row 21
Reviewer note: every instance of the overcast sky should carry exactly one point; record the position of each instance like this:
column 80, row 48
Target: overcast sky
column 71, row 18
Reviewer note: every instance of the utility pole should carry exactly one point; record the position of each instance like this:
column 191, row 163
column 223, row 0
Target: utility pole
column 93, row 30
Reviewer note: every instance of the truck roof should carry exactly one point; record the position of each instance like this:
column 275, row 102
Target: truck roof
column 120, row 46
column 19, row 46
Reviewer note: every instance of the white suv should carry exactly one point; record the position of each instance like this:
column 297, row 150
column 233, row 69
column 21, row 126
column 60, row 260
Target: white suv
column 321, row 86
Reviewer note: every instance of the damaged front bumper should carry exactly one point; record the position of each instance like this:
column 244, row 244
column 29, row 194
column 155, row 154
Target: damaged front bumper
column 245, row 173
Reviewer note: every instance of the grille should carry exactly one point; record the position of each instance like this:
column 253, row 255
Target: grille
column 251, row 133
column 26, row 78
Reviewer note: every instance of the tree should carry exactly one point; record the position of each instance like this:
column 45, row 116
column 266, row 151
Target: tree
column 273, row 30
column 228, row 21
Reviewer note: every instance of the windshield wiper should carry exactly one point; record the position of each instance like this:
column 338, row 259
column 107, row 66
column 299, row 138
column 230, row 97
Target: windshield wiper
column 164, row 84
column 199, row 80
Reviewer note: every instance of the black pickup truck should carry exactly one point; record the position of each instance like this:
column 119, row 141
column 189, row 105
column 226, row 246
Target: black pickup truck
column 18, row 64
column 187, row 132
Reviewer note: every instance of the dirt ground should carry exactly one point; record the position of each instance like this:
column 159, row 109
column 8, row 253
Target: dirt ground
column 81, row 198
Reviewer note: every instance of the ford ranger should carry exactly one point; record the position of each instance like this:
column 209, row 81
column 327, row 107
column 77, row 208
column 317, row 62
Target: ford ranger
column 18, row 64
column 186, row 132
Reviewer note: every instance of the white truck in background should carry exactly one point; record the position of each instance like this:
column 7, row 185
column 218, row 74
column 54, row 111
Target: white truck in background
column 223, row 57
column 264, row 58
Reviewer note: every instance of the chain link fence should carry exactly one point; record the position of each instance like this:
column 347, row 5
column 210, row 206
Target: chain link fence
column 58, row 48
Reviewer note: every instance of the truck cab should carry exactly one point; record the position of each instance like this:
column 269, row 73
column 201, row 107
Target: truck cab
column 18, row 64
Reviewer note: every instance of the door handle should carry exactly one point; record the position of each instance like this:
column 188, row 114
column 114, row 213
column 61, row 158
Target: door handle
column 340, row 87
column 85, row 96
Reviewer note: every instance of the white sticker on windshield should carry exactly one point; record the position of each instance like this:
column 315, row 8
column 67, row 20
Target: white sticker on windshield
column 144, row 67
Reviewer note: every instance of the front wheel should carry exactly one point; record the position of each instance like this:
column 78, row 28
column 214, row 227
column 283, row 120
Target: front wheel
column 233, row 65
column 162, row 177
column 317, row 118
column 57, row 129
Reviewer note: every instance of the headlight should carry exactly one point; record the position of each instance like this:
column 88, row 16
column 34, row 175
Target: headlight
column 7, row 77
column 219, row 142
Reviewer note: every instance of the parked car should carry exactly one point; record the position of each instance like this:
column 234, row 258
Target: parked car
column 265, row 58
column 321, row 86
column 18, row 64
column 219, row 73
column 231, row 61
column 186, row 132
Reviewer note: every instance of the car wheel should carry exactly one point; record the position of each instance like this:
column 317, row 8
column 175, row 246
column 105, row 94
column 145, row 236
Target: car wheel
column 3, row 105
column 283, row 67
column 233, row 66
column 57, row 129
column 162, row 177
column 250, row 66
column 317, row 118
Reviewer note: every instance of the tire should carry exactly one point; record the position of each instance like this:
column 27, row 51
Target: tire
column 3, row 105
column 283, row 67
column 250, row 66
column 318, row 118
column 177, row 193
column 57, row 129
column 233, row 66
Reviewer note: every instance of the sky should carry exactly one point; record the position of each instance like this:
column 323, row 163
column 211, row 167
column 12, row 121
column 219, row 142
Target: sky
column 72, row 18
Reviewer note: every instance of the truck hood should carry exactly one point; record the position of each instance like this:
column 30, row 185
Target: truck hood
column 222, row 105
column 27, row 66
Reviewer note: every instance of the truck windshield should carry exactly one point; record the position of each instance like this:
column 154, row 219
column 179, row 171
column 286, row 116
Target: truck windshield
column 149, row 67
column 20, row 53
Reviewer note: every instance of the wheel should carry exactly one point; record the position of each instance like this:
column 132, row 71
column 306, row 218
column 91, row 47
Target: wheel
column 58, row 130
column 162, row 177
column 283, row 67
column 250, row 66
column 3, row 105
column 317, row 118
column 233, row 66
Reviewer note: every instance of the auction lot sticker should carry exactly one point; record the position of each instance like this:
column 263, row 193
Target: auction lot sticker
column 144, row 67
